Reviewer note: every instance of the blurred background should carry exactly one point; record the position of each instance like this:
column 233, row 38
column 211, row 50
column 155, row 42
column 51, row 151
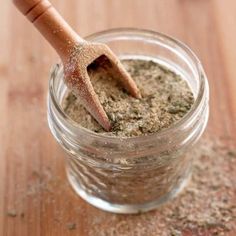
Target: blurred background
column 27, row 148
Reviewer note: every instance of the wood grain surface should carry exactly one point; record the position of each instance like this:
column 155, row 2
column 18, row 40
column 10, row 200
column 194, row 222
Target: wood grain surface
column 35, row 198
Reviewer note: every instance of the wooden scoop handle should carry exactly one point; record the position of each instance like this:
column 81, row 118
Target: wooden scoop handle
column 51, row 25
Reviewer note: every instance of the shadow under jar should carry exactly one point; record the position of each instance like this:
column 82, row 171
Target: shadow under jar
column 131, row 175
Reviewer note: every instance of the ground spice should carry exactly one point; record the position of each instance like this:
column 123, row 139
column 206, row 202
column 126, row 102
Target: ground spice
column 166, row 98
column 12, row 213
column 71, row 226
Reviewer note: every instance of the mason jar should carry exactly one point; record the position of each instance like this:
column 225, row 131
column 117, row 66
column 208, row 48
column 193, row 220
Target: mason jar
column 132, row 174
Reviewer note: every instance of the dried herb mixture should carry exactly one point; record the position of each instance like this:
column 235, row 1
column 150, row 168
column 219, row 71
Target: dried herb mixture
column 166, row 98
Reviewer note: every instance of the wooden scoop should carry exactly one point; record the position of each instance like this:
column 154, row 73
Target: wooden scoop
column 76, row 55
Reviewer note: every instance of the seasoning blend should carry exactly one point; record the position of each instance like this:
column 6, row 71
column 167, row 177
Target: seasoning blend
column 166, row 98
column 144, row 160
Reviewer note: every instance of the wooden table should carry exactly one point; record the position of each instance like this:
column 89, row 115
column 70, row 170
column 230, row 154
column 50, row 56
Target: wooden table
column 35, row 198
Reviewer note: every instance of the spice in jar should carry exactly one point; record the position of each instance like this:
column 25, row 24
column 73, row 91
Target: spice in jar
column 166, row 98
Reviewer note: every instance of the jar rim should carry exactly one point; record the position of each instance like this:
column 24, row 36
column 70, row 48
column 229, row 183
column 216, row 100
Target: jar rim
column 203, row 85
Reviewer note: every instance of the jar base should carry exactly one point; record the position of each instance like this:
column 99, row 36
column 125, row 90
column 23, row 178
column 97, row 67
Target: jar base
column 125, row 208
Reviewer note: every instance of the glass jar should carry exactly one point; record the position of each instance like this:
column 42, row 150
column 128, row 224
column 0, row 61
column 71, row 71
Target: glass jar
column 135, row 174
